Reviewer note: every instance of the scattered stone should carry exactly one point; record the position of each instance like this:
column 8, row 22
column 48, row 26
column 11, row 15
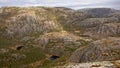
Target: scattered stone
column 101, row 64
column 18, row 56
column 3, row 51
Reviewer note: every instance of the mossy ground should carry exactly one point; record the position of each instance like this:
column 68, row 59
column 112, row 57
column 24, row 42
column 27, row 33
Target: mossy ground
column 31, row 53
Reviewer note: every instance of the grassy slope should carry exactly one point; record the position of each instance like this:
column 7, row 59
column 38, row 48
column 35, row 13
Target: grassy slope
column 33, row 54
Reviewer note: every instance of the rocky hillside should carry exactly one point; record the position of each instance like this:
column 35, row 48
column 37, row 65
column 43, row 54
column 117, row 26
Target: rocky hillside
column 99, row 12
column 100, row 50
column 30, row 36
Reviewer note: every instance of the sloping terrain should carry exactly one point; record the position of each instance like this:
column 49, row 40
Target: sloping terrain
column 98, row 12
column 100, row 50
column 30, row 36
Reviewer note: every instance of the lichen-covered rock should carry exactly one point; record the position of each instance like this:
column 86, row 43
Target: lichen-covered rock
column 100, row 50
column 20, row 22
column 58, row 31
column 103, row 30
column 102, row 64
column 13, row 57
column 59, row 43
column 18, row 56
column 99, row 12
column 93, row 22
column 3, row 50
column 30, row 21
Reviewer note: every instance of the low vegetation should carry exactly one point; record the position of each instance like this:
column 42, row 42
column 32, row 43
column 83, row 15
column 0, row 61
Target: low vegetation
column 29, row 36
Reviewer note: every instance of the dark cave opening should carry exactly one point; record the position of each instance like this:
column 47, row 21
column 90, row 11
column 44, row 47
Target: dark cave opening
column 19, row 47
column 53, row 57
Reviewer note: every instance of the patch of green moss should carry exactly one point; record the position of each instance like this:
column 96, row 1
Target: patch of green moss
column 32, row 54
column 5, row 42
column 58, row 62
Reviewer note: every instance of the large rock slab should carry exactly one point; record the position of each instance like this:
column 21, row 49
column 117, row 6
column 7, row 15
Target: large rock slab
column 100, row 50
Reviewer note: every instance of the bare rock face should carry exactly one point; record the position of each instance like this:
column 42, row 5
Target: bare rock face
column 29, row 20
column 101, row 50
column 99, row 12
column 59, row 32
column 28, row 25
column 21, row 22
column 99, row 27
column 115, row 14
column 105, row 30
column 56, row 42
column 93, row 22
column 59, row 43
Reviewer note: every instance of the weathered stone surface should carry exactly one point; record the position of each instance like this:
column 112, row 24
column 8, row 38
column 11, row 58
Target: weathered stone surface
column 3, row 50
column 100, row 50
column 59, row 43
column 102, row 64
column 99, row 12
column 59, row 31
column 18, row 56
column 105, row 30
